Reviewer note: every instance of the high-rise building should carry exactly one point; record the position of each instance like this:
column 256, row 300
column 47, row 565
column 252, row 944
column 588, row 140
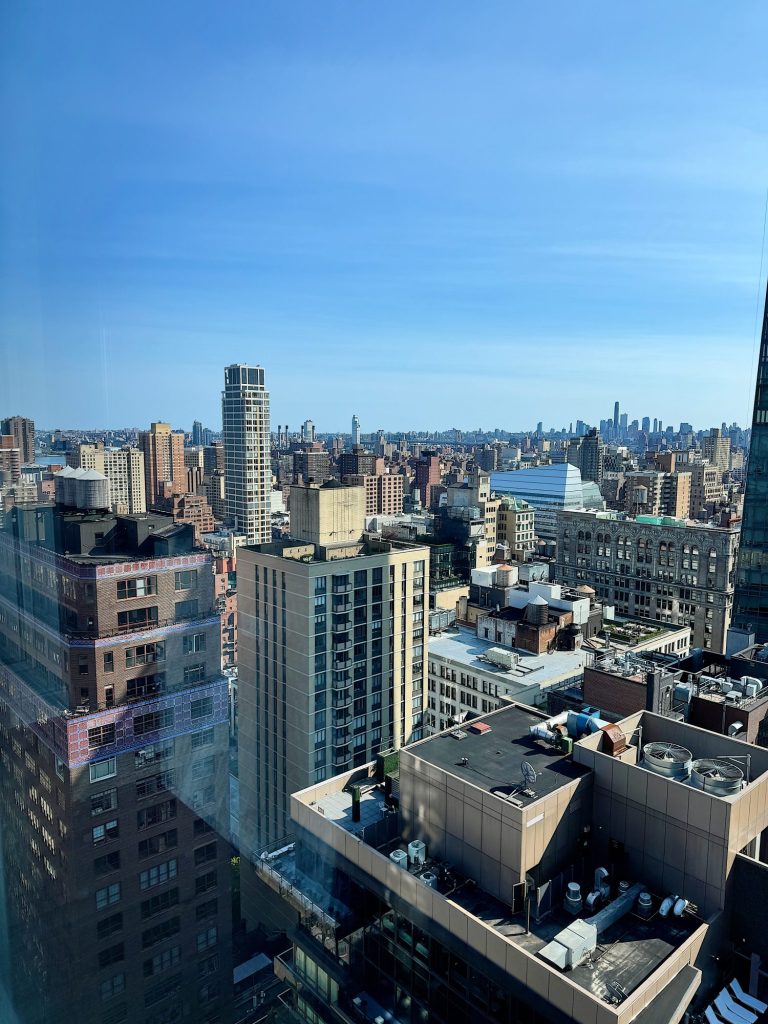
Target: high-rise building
column 113, row 769
column 197, row 433
column 332, row 643
column 592, row 457
column 716, row 448
column 248, row 467
column 86, row 456
column 164, row 471
column 356, row 436
column 615, row 415
column 750, row 606
column 646, row 425
column 10, row 460
column 360, row 462
column 427, row 475
column 22, row 429
column 308, row 432
column 124, row 469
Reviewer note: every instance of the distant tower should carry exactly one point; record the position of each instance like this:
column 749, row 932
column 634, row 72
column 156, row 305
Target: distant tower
column 164, row 467
column 308, row 431
column 615, row 415
column 197, row 432
column 247, row 457
column 655, row 425
column 22, row 429
column 355, row 430
column 750, row 601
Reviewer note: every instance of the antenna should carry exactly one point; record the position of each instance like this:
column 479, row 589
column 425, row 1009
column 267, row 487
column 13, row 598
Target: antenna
column 529, row 774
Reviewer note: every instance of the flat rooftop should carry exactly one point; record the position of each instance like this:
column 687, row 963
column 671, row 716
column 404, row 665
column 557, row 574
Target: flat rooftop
column 464, row 647
column 494, row 758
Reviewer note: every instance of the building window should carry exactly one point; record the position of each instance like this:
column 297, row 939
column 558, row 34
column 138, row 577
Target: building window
column 105, row 769
column 137, row 618
column 158, row 875
column 142, row 587
column 106, row 801
column 207, row 939
column 113, row 955
column 186, row 609
column 162, row 962
column 112, row 987
column 158, row 844
column 109, row 862
column 205, row 883
column 145, row 686
column 159, row 783
column 204, row 738
column 160, row 903
column 160, row 932
column 144, row 654
column 194, row 643
column 105, row 832
column 186, row 579
column 205, row 854
column 153, row 721
column 201, row 708
column 109, row 926
column 101, row 735
column 109, row 661
column 108, row 896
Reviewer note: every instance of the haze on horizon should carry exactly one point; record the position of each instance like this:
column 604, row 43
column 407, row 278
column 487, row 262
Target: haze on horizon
column 427, row 215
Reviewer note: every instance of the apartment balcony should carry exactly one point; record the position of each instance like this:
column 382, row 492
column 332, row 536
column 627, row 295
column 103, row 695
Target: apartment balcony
column 341, row 588
column 341, row 646
column 341, row 604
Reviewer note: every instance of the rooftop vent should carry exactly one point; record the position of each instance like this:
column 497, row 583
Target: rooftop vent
column 668, row 759
column 720, row 778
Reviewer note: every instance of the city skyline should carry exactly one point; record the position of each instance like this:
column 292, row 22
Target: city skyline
column 436, row 219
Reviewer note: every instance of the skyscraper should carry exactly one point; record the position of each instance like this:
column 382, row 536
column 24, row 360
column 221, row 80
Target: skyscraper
column 197, row 432
column 355, row 431
column 248, row 471
column 23, row 430
column 124, row 469
column 750, row 602
column 164, row 470
column 615, row 415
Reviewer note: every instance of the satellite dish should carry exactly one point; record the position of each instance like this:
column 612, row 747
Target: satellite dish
column 529, row 773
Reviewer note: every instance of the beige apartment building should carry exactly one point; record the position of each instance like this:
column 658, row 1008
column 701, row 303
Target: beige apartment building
column 124, row 468
column 514, row 527
column 332, row 646
column 658, row 494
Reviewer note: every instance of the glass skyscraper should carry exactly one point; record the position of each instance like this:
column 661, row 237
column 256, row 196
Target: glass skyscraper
column 750, row 603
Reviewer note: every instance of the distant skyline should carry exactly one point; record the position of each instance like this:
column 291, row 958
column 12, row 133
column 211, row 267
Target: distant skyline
column 429, row 214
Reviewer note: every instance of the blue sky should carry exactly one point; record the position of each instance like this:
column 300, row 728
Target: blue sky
column 435, row 214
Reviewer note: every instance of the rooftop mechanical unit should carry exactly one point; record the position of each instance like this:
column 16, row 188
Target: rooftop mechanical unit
column 720, row 778
column 668, row 759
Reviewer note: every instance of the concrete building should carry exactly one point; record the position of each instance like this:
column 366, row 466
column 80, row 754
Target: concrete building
column 86, row 456
column 113, row 770
column 360, row 462
column 10, row 460
column 124, row 468
column 658, row 494
column 248, row 473
column 22, row 429
column 195, row 510
column 515, row 528
column 467, row 517
column 672, row 571
column 716, row 448
column 165, row 473
column 356, row 435
column 469, row 676
column 492, row 875
column 383, row 494
column 332, row 648
column 427, row 474
column 311, row 464
column 706, row 489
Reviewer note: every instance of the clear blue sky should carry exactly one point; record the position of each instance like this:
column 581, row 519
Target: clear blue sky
column 431, row 214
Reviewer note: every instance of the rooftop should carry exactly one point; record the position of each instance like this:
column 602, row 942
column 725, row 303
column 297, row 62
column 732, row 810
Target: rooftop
column 493, row 760
column 464, row 647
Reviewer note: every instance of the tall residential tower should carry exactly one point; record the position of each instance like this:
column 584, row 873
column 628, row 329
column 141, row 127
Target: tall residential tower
column 248, row 473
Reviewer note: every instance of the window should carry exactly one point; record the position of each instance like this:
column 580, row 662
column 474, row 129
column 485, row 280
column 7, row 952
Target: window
column 106, row 769
column 162, row 962
column 144, row 654
column 158, row 875
column 207, row 939
column 194, row 643
column 155, row 815
column 109, row 661
column 101, row 735
column 186, row 579
column 145, row 686
column 137, row 618
column 109, row 926
column 205, row 883
column 194, row 674
column 157, row 904
column 202, row 739
column 153, row 721
column 152, row 784
column 159, row 932
column 108, row 896
column 154, row 753
column 141, row 587
column 170, row 987
column 201, row 708
column 158, row 844
column 186, row 609
column 204, row 854
column 112, row 987
column 113, row 955
column 109, row 862
column 203, row 769
column 104, row 833
column 106, row 801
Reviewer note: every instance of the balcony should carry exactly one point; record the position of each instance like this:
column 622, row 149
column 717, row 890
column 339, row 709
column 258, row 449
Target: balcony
column 340, row 646
column 341, row 588
column 341, row 605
